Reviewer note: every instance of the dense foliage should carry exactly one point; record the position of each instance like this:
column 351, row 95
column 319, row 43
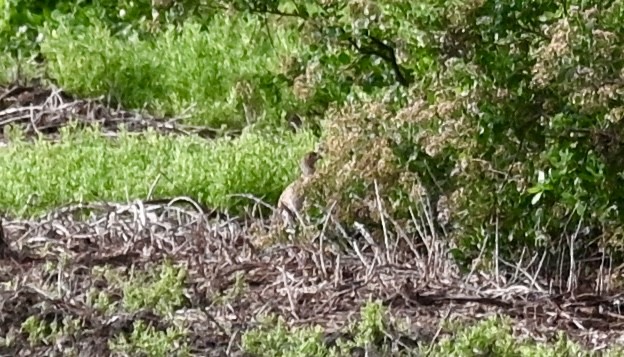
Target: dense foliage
column 510, row 114
column 506, row 113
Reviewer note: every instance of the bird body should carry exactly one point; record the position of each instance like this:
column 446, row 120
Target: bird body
column 292, row 198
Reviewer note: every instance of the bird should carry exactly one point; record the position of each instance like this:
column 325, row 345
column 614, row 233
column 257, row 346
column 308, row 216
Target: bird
column 291, row 200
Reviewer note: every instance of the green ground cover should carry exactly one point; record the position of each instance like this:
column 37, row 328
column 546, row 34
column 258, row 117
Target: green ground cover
column 211, row 74
column 85, row 167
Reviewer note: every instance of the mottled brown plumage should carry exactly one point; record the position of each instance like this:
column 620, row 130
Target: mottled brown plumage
column 291, row 200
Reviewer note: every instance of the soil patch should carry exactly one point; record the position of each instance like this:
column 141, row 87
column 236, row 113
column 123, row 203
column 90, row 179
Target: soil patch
column 48, row 268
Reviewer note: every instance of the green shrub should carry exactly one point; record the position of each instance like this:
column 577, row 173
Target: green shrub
column 512, row 117
column 535, row 141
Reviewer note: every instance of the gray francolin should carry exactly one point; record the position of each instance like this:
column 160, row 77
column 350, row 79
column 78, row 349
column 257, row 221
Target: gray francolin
column 292, row 198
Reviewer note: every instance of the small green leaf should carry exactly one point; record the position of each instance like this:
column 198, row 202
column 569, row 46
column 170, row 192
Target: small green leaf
column 344, row 58
column 288, row 7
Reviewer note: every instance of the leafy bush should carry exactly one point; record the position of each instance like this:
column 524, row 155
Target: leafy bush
column 507, row 111
column 274, row 337
column 537, row 152
column 493, row 336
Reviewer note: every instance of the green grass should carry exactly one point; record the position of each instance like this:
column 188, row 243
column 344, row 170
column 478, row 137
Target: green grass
column 145, row 340
column 273, row 337
column 489, row 337
column 12, row 68
column 85, row 166
column 214, row 71
column 159, row 288
column 494, row 337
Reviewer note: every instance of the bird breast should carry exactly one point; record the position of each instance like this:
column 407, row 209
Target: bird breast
column 290, row 198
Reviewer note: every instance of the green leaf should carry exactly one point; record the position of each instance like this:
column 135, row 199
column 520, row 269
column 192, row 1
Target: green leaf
column 288, row 7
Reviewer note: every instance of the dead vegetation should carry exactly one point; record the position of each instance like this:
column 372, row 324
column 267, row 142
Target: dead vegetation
column 301, row 283
column 40, row 111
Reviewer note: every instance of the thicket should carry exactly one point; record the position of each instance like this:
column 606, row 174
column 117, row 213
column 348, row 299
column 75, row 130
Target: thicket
column 506, row 113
